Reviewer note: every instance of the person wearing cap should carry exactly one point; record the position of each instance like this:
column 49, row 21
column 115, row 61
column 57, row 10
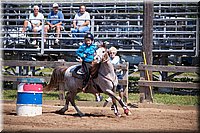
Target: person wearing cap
column 115, row 60
column 54, row 22
column 81, row 23
column 34, row 23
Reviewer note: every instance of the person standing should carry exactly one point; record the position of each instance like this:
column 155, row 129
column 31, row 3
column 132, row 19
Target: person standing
column 81, row 23
column 115, row 60
column 54, row 22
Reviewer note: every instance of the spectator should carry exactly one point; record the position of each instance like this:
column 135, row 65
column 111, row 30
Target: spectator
column 115, row 60
column 81, row 23
column 34, row 23
column 55, row 23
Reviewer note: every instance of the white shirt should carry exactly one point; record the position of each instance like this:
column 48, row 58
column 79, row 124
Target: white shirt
column 81, row 18
column 115, row 60
column 39, row 16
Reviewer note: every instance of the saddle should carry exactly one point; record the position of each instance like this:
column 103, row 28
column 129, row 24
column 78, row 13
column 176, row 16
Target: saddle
column 77, row 72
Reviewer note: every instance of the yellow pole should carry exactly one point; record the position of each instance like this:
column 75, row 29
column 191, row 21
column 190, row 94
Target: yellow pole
column 148, row 78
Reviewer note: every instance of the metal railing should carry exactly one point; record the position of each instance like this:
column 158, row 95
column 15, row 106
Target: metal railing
column 172, row 31
column 119, row 29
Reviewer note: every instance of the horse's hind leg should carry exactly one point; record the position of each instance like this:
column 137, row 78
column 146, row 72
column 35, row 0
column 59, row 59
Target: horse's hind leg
column 65, row 108
column 72, row 100
column 62, row 93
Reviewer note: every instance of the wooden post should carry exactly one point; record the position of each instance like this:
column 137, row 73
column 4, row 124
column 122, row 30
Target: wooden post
column 142, row 88
column 164, row 61
column 126, row 78
column 148, row 39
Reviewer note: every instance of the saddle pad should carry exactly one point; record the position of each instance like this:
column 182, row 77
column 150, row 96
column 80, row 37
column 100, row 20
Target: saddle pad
column 69, row 70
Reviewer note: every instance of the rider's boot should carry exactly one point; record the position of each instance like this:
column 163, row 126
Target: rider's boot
column 85, row 85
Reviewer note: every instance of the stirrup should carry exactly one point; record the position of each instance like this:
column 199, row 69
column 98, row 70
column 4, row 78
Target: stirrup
column 80, row 71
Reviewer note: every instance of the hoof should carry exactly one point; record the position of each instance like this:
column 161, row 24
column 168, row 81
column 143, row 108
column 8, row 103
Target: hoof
column 127, row 112
column 118, row 114
column 61, row 112
column 81, row 114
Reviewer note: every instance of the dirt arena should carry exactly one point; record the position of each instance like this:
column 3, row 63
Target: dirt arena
column 145, row 118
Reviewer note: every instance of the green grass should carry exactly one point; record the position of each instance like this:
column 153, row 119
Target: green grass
column 9, row 94
column 133, row 97
column 176, row 99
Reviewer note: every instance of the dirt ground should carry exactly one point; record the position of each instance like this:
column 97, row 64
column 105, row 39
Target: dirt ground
column 145, row 118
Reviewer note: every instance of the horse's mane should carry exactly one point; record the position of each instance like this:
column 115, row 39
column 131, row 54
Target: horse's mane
column 56, row 77
column 94, row 69
column 95, row 66
column 106, row 56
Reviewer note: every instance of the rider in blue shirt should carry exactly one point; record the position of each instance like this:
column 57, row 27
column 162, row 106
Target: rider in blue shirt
column 86, row 54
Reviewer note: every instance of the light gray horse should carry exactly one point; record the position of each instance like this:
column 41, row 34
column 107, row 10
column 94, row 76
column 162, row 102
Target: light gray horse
column 105, row 81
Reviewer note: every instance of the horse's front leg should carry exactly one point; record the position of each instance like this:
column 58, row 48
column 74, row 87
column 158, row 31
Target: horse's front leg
column 116, row 111
column 112, row 94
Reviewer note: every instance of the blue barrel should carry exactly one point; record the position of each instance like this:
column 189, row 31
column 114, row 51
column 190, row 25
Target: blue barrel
column 29, row 96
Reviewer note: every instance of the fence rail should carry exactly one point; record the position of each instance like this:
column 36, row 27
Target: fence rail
column 144, row 84
column 53, row 64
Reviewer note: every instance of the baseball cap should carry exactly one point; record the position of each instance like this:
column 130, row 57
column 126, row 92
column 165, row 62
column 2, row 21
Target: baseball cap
column 55, row 5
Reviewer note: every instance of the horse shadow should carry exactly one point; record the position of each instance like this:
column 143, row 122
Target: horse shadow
column 10, row 113
column 97, row 115
column 85, row 114
column 132, row 105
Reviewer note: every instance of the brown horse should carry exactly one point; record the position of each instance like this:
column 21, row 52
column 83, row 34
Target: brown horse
column 105, row 81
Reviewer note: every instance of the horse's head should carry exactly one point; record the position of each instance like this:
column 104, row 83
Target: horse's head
column 101, row 55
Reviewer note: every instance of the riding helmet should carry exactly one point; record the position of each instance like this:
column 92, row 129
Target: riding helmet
column 89, row 35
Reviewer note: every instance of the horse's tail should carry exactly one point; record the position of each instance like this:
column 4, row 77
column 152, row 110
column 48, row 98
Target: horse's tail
column 56, row 77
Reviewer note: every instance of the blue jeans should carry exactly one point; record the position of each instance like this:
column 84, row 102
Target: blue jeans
column 119, row 87
column 82, row 30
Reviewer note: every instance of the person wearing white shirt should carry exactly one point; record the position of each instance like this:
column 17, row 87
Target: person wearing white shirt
column 34, row 23
column 115, row 60
column 81, row 23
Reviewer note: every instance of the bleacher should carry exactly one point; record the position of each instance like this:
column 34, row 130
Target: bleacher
column 175, row 30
